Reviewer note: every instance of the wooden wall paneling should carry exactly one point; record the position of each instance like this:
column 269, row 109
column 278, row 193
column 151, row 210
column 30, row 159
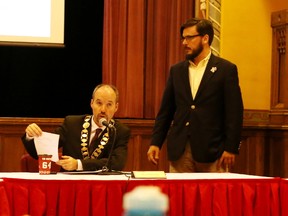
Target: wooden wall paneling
column 137, row 155
column 275, row 155
column 141, row 162
column 278, row 153
column 251, row 155
column 143, row 128
column 12, row 150
column 140, row 134
column 131, row 153
column 284, row 161
column 258, row 148
column 11, row 147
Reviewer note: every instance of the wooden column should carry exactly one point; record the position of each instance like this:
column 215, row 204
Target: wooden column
column 279, row 89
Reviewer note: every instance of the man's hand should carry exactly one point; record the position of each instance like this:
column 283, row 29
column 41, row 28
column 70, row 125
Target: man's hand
column 227, row 160
column 153, row 154
column 68, row 163
column 33, row 130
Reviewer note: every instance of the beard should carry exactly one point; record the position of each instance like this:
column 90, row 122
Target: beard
column 194, row 53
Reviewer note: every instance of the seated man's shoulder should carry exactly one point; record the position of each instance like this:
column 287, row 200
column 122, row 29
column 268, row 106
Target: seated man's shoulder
column 72, row 118
column 121, row 125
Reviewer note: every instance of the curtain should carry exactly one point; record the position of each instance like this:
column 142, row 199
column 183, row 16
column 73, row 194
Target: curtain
column 141, row 40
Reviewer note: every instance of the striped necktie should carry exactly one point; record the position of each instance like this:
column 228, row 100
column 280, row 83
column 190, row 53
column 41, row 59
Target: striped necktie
column 93, row 141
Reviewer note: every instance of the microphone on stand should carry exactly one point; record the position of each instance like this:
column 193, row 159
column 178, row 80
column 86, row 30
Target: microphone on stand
column 104, row 122
column 106, row 170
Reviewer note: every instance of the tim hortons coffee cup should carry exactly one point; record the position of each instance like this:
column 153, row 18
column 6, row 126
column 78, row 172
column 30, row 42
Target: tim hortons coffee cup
column 44, row 161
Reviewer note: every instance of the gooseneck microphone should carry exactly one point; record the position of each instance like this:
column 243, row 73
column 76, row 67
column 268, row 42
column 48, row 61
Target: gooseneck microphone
column 106, row 169
column 104, row 122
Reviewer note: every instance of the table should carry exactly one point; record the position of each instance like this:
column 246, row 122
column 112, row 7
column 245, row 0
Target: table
column 284, row 196
column 34, row 194
column 189, row 194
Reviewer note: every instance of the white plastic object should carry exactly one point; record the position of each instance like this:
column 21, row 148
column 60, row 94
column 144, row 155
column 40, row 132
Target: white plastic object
column 145, row 200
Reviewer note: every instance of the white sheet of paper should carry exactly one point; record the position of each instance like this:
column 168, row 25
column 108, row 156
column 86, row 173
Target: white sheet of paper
column 47, row 143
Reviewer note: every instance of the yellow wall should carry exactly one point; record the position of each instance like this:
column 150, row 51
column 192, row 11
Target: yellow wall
column 246, row 39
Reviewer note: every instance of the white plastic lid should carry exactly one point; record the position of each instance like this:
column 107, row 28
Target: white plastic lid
column 146, row 197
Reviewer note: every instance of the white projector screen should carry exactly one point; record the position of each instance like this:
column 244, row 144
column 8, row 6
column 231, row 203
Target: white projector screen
column 32, row 22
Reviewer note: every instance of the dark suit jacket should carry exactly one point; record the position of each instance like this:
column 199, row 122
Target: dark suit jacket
column 212, row 122
column 70, row 133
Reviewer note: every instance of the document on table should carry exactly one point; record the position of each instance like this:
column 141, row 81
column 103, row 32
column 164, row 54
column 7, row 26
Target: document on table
column 47, row 143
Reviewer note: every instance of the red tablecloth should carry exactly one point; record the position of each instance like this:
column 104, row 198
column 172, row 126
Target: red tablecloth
column 71, row 197
column 284, row 197
column 232, row 197
column 201, row 197
column 4, row 202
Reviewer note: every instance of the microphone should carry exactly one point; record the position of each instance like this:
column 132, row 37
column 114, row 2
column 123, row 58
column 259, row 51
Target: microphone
column 106, row 169
column 104, row 122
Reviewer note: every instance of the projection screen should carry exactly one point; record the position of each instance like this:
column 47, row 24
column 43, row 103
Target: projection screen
column 32, row 22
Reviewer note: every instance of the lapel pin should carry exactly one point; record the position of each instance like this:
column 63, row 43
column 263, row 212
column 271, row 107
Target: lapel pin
column 213, row 69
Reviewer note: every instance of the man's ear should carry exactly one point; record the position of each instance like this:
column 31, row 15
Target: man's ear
column 116, row 106
column 206, row 38
column 91, row 103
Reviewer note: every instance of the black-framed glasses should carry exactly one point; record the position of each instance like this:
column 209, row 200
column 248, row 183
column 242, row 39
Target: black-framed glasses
column 190, row 37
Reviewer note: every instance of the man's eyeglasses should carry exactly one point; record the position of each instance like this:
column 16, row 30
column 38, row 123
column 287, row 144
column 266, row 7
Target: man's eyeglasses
column 190, row 37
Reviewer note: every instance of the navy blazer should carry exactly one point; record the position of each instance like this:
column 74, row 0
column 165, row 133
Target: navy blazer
column 212, row 121
column 70, row 133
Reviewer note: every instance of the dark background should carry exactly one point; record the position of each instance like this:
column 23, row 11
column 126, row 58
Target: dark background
column 55, row 81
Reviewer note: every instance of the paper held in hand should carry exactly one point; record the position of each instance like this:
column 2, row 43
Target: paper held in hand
column 48, row 144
